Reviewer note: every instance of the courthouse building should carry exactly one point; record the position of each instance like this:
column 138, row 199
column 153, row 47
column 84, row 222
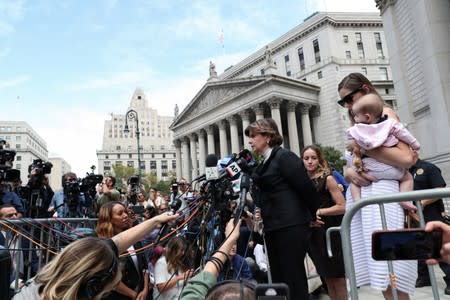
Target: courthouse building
column 294, row 80
column 156, row 146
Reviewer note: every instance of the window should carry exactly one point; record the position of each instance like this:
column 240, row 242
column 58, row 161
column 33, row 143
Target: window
column 364, row 70
column 301, row 58
column 174, row 164
column 119, row 163
column 18, row 166
column 316, row 50
column 319, row 75
column 262, row 72
column 386, row 91
column 380, row 53
column 130, row 155
column 153, row 165
column 118, row 148
column 143, row 165
column 18, row 138
column 118, row 155
column 348, row 54
column 359, row 45
column 106, row 168
column 287, row 64
column 164, row 155
column 18, row 158
column 164, row 164
column 345, row 38
column 384, row 73
column 17, row 146
column 130, row 164
column 107, row 163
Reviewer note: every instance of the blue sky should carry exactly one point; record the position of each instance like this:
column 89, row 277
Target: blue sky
column 66, row 64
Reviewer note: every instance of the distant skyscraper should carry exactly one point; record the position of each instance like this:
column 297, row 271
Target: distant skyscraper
column 60, row 167
column 157, row 150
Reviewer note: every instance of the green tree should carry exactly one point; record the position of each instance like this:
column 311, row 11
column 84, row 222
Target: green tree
column 334, row 157
column 122, row 173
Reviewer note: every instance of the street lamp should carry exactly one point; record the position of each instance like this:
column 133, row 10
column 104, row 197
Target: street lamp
column 132, row 115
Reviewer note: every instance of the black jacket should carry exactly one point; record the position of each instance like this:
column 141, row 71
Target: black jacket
column 284, row 191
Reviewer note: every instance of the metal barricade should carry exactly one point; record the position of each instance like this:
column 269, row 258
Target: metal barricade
column 38, row 240
column 344, row 230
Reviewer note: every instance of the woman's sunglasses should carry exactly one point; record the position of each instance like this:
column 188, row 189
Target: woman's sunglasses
column 349, row 97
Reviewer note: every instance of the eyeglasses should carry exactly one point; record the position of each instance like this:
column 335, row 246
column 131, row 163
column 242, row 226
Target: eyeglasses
column 8, row 216
column 349, row 97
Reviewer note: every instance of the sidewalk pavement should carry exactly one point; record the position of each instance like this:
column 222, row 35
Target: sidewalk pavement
column 424, row 293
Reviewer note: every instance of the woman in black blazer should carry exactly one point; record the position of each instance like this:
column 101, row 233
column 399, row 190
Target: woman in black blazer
column 288, row 201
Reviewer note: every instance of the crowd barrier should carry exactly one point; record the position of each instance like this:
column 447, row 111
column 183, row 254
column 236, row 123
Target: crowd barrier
column 38, row 240
column 344, row 230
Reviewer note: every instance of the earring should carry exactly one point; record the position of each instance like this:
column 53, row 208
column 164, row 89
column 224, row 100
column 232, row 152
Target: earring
column 268, row 142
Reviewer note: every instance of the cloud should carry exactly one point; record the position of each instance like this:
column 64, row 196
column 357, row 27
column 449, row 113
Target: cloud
column 12, row 10
column 6, row 28
column 15, row 81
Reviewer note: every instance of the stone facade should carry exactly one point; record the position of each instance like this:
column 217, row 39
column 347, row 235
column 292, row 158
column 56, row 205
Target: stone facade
column 417, row 34
column 293, row 80
column 27, row 143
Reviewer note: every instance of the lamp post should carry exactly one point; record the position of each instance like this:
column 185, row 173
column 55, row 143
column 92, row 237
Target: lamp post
column 132, row 115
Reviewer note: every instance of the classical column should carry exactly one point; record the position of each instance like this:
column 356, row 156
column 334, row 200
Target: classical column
column 259, row 112
column 186, row 168
column 292, row 125
column 201, row 150
column 177, row 144
column 245, row 116
column 234, row 134
column 194, row 161
column 211, row 143
column 223, row 138
column 275, row 111
column 306, row 125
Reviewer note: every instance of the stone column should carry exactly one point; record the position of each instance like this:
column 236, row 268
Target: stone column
column 275, row 111
column 223, row 138
column 245, row 116
column 234, row 134
column 259, row 112
column 211, row 143
column 186, row 168
column 292, row 125
column 306, row 125
column 194, row 162
column 177, row 144
column 201, row 150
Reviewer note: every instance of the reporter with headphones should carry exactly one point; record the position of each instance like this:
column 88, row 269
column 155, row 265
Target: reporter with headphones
column 87, row 268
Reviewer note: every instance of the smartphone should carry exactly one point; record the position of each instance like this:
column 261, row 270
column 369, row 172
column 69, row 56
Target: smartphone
column 406, row 244
column 272, row 291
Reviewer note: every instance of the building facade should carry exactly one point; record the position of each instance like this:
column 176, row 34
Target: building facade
column 156, row 147
column 27, row 143
column 293, row 80
column 60, row 167
column 418, row 38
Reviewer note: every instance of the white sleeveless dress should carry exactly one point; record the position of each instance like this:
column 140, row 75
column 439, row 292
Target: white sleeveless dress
column 364, row 222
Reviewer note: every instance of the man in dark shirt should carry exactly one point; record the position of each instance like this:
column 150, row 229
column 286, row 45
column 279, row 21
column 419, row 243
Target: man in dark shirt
column 428, row 176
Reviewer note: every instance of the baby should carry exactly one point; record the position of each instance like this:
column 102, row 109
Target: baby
column 373, row 130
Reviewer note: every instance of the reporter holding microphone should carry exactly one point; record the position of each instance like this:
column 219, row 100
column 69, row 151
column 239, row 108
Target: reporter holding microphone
column 288, row 201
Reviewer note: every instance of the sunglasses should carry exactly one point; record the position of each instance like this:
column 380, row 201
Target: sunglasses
column 349, row 97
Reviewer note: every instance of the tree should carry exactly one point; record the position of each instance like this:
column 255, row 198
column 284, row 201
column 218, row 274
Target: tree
column 122, row 173
column 334, row 157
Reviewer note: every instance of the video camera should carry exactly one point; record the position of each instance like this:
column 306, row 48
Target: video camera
column 135, row 188
column 41, row 167
column 6, row 161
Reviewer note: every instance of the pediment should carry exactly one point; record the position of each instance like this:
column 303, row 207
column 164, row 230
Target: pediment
column 214, row 94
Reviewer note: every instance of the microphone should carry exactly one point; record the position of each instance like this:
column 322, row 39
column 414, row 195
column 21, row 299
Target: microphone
column 245, row 186
column 173, row 207
column 211, row 171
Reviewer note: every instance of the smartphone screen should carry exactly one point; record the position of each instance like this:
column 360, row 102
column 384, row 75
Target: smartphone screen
column 406, row 244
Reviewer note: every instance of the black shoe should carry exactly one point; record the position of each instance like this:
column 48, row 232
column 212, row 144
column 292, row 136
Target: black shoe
column 422, row 283
column 447, row 290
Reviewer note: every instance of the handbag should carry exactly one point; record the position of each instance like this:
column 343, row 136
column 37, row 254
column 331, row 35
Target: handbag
column 314, row 281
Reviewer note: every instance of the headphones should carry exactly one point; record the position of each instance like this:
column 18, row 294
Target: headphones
column 242, row 285
column 92, row 285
